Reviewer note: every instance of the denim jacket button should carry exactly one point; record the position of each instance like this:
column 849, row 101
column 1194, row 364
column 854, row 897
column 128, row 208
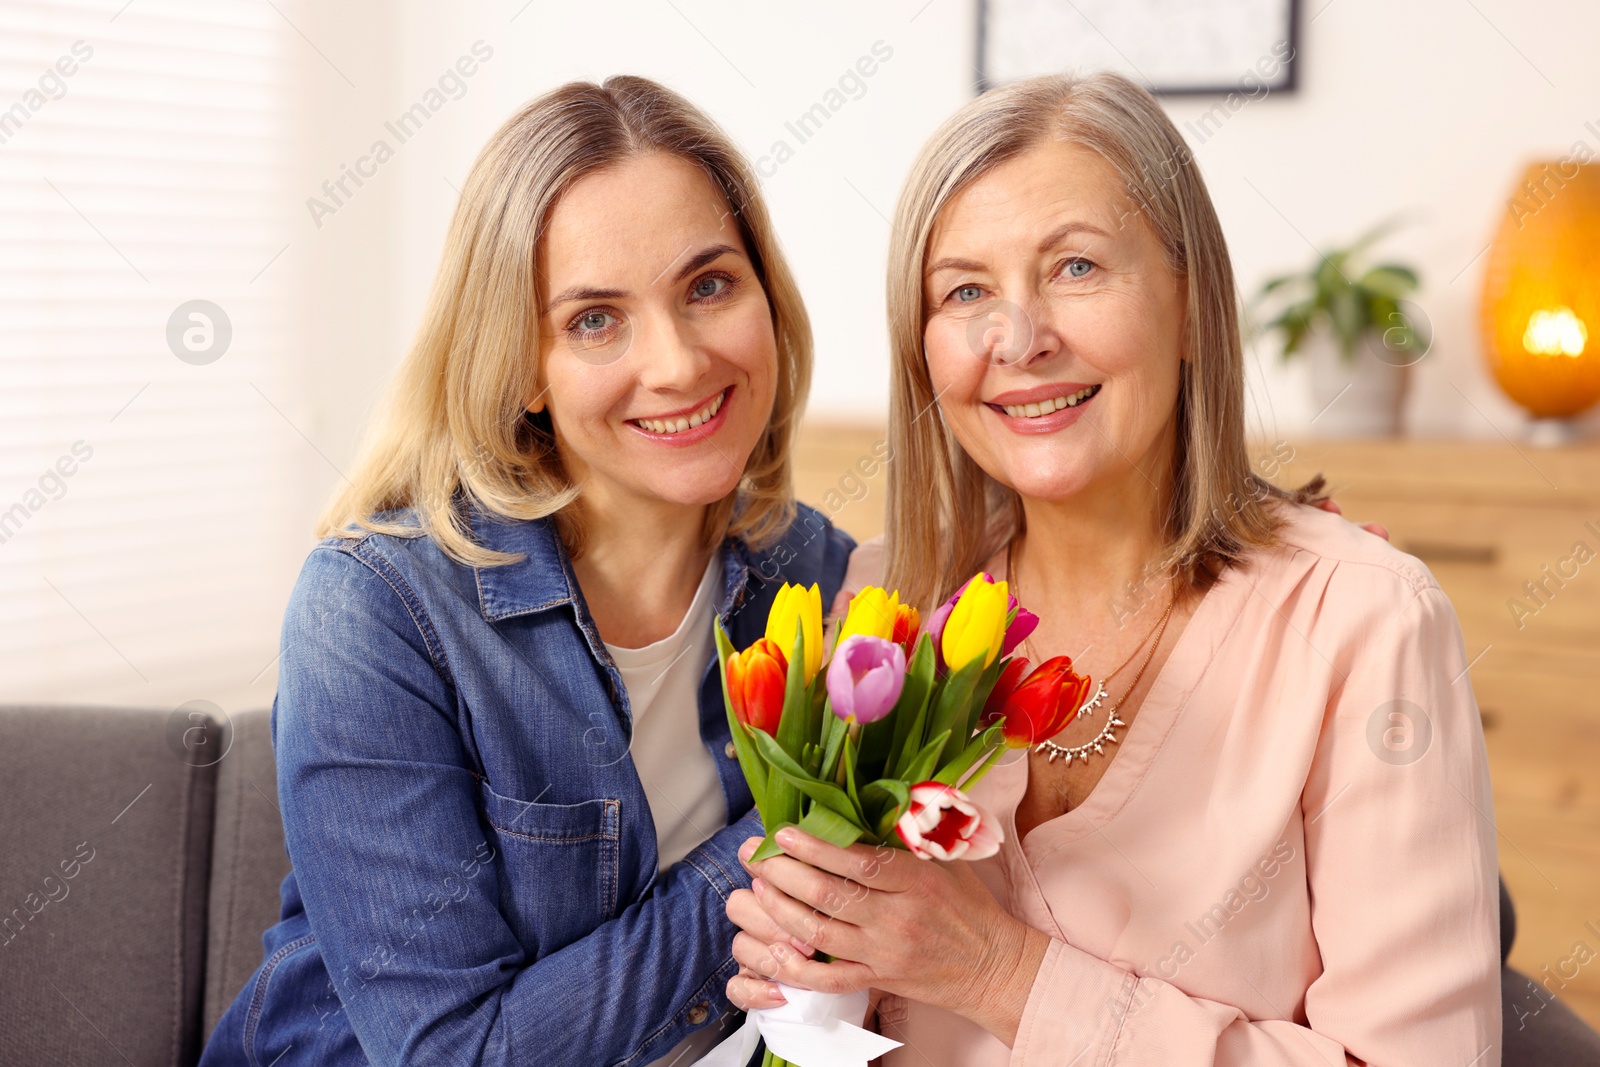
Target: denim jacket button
column 698, row 1013
column 729, row 751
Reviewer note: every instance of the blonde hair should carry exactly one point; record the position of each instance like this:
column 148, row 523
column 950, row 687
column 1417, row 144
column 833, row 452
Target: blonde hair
column 946, row 515
column 453, row 424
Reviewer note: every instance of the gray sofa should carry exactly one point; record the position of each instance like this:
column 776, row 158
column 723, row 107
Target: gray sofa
column 143, row 852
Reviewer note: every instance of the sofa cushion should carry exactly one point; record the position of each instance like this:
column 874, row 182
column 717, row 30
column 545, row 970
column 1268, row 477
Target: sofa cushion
column 103, row 889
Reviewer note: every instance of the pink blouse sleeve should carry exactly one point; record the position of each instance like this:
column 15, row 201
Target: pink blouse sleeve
column 865, row 568
column 1402, row 868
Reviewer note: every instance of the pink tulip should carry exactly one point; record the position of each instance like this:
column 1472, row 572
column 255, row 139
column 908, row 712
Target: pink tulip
column 1021, row 626
column 935, row 628
column 865, row 677
column 942, row 823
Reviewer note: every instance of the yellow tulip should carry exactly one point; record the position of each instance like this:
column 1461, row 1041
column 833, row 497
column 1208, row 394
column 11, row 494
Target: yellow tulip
column 872, row 612
column 794, row 603
column 977, row 624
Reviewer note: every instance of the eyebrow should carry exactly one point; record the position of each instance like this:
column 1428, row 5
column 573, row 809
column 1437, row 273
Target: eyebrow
column 703, row 258
column 1054, row 238
column 690, row 266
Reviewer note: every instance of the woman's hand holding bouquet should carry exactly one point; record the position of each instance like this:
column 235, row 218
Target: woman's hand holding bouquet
column 873, row 750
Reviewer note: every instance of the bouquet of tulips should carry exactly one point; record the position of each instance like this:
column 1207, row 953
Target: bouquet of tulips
column 878, row 744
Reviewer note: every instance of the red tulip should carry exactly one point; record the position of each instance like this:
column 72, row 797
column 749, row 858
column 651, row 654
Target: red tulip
column 756, row 679
column 1039, row 706
column 1016, row 667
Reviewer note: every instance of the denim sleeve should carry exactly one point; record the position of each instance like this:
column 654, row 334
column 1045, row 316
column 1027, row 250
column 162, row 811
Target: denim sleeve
column 401, row 887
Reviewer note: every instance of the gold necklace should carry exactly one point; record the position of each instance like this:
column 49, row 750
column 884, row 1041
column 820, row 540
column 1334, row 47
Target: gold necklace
column 1107, row 735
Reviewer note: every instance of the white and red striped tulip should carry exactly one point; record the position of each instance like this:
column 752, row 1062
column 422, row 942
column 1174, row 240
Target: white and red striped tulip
column 942, row 823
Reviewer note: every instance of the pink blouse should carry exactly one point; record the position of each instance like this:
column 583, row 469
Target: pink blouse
column 1291, row 860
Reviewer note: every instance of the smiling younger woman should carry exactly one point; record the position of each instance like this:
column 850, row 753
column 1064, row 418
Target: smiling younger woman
column 508, row 790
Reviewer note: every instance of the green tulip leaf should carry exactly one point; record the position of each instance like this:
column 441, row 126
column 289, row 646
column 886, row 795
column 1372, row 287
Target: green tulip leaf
column 953, row 701
column 977, row 749
column 792, row 773
column 822, row 823
column 984, row 768
column 850, row 777
column 876, row 738
column 769, row 846
column 833, row 731
column 980, row 694
column 883, row 799
column 926, row 760
column 911, row 710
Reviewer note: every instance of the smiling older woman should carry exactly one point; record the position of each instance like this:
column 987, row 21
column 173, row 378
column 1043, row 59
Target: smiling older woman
column 1273, row 841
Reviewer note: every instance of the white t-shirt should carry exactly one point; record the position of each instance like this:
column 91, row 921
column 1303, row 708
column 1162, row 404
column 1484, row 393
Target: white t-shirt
column 663, row 683
column 679, row 774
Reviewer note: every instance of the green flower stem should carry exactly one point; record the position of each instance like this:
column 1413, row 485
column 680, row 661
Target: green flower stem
column 852, row 734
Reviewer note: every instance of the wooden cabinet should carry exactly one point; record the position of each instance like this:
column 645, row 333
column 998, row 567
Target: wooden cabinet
column 1512, row 534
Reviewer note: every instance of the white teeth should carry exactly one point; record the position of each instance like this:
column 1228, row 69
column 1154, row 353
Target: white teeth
column 678, row 425
column 1045, row 407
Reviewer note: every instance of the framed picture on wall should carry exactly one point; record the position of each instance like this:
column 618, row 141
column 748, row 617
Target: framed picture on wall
column 1172, row 47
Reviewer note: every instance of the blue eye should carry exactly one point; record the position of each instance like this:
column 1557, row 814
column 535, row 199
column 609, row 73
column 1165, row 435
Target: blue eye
column 968, row 293
column 592, row 325
column 1074, row 265
column 708, row 287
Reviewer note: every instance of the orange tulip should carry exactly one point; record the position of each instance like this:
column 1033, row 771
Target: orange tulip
column 756, row 679
column 907, row 622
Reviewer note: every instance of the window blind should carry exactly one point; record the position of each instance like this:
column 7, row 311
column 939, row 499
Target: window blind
column 152, row 501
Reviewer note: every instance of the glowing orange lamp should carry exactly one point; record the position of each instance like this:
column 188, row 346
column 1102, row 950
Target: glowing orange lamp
column 1541, row 291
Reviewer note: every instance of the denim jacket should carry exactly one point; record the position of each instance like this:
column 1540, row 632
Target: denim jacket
column 475, row 872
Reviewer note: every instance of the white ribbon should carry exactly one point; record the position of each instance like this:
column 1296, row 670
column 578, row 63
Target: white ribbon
column 811, row 1030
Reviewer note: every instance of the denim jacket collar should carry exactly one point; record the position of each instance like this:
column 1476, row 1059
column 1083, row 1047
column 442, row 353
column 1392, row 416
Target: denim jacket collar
column 543, row 578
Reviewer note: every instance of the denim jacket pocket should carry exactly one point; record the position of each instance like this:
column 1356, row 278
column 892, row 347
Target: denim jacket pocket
column 558, row 866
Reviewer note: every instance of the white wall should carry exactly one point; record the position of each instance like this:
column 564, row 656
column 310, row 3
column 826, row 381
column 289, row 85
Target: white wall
column 1421, row 107
column 752, row 69
column 1429, row 107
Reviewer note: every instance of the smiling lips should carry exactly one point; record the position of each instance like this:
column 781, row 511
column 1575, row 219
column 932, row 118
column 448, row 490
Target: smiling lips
column 1034, row 410
column 680, row 423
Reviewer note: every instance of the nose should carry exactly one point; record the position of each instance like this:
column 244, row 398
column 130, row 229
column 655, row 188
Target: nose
column 1016, row 334
column 1048, row 340
column 673, row 360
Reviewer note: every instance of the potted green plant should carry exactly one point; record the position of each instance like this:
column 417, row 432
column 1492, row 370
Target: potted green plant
column 1358, row 331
